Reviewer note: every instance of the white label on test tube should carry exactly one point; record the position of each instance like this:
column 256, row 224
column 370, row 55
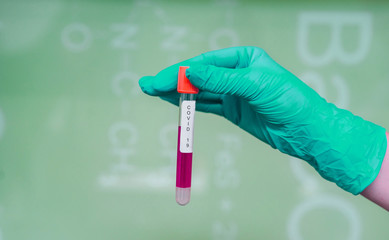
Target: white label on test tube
column 187, row 120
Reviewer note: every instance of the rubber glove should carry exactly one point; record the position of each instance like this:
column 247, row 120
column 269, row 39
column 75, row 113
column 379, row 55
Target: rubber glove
column 247, row 87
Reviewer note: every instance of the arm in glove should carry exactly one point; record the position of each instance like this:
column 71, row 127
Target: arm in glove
column 246, row 86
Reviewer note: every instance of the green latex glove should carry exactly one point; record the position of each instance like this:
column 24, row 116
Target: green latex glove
column 250, row 89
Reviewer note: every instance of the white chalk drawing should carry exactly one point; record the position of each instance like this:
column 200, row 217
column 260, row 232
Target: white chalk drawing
column 224, row 231
column 125, row 32
column 167, row 138
column 123, row 136
column 335, row 51
column 226, row 178
column 76, row 37
column 174, row 38
column 326, row 202
column 125, row 84
column 220, row 36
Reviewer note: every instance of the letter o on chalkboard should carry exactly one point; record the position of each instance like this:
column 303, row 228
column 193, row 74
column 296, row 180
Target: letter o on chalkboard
column 76, row 37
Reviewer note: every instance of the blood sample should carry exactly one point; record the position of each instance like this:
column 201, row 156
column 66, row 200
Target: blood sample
column 185, row 137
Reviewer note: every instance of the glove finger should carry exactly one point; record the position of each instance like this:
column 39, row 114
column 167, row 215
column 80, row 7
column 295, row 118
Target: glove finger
column 146, row 84
column 171, row 98
column 214, row 108
column 209, row 97
column 165, row 81
column 223, row 81
column 234, row 57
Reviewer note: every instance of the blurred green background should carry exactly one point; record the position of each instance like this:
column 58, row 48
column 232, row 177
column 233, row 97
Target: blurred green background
column 85, row 155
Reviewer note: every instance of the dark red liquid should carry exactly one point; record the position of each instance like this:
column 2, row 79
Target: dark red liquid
column 184, row 166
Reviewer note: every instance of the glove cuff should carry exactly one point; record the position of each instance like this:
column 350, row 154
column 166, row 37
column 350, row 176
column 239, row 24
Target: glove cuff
column 379, row 166
column 355, row 151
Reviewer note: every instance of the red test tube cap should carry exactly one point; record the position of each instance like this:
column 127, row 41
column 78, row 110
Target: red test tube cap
column 183, row 84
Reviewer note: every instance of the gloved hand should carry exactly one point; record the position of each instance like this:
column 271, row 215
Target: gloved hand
column 250, row 89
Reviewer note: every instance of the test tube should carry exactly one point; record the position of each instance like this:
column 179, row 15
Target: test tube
column 185, row 137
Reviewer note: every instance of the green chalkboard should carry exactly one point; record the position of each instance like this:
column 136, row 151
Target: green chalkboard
column 84, row 154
